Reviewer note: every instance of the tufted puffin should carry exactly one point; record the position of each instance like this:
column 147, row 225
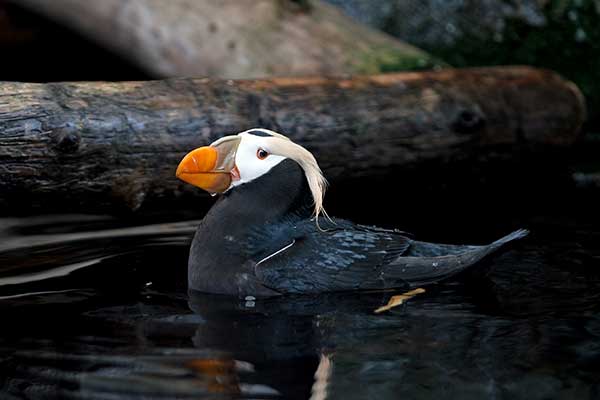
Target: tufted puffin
column 268, row 233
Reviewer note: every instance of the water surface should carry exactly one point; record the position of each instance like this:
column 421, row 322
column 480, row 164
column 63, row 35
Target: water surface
column 93, row 309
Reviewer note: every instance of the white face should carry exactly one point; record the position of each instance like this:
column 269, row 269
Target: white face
column 253, row 158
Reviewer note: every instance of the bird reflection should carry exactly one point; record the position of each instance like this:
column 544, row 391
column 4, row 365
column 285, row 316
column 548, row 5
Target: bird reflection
column 287, row 340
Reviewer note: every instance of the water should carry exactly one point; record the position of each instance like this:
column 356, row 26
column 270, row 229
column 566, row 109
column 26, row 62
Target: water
column 93, row 309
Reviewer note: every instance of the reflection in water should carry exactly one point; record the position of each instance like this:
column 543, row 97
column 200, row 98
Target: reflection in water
column 126, row 328
column 44, row 253
column 322, row 378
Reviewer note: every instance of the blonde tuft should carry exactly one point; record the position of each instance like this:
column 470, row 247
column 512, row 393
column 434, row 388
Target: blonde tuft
column 281, row 145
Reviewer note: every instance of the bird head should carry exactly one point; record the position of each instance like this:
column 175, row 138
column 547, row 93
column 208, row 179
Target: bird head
column 240, row 159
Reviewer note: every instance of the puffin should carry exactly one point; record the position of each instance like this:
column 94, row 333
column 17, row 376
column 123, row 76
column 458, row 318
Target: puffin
column 268, row 233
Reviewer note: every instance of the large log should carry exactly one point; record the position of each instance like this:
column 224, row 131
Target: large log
column 234, row 38
column 96, row 145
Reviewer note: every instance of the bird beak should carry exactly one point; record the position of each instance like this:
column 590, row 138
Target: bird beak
column 211, row 168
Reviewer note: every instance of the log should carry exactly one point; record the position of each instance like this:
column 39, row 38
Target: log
column 234, row 38
column 103, row 146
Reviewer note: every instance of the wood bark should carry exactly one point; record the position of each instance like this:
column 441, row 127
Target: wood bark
column 234, row 38
column 96, row 145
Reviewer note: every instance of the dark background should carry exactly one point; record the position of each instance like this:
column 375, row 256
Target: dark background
column 560, row 35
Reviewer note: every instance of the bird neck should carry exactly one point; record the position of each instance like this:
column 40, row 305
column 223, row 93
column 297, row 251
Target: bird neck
column 280, row 194
column 218, row 260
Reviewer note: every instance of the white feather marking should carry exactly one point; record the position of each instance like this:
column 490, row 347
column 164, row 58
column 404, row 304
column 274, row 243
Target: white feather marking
column 249, row 166
column 280, row 147
column 277, row 252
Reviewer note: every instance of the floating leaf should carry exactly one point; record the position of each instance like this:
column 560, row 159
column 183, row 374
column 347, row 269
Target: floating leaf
column 397, row 300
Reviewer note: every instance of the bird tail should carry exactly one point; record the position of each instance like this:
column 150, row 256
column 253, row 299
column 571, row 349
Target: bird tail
column 518, row 234
column 430, row 263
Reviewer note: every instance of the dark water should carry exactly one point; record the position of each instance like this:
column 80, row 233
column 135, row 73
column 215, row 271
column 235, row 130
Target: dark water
column 94, row 310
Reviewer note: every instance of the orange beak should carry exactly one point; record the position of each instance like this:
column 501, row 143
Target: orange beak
column 210, row 167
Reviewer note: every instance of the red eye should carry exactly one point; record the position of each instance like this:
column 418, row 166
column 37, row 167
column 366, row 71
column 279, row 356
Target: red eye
column 262, row 154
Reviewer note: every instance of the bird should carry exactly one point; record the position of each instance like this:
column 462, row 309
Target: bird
column 268, row 233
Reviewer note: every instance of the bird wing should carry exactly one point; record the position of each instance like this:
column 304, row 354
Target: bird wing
column 342, row 256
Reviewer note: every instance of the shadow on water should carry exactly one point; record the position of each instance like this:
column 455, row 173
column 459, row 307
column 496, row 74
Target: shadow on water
column 104, row 313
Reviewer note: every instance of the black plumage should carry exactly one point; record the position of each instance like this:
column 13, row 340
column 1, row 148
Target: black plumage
column 259, row 239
